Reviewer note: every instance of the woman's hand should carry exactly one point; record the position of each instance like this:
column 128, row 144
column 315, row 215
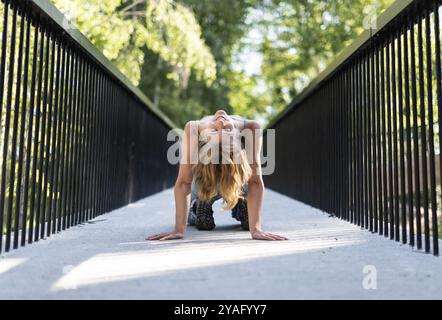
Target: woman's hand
column 261, row 235
column 166, row 236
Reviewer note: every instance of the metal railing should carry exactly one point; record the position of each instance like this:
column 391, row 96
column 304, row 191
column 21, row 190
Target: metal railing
column 77, row 139
column 362, row 141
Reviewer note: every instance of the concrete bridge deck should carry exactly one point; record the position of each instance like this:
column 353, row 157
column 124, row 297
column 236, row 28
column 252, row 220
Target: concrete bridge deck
column 107, row 258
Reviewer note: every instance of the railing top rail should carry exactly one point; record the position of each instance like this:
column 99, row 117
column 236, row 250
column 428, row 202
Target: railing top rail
column 46, row 9
column 382, row 22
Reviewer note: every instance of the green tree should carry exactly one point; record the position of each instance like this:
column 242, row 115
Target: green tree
column 122, row 29
column 223, row 25
column 183, row 54
column 301, row 37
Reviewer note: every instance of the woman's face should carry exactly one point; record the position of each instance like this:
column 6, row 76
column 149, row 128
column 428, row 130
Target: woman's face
column 221, row 126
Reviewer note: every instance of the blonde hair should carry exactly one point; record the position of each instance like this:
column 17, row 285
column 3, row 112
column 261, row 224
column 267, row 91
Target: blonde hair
column 225, row 176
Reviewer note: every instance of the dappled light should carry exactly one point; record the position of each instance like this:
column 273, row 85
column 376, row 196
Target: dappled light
column 214, row 250
column 9, row 264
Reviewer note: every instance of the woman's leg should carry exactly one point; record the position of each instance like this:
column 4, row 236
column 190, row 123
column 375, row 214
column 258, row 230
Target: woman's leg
column 192, row 210
column 240, row 213
column 200, row 212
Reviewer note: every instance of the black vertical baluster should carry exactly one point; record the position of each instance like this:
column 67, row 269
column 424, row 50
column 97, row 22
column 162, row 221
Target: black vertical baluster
column 369, row 131
column 22, row 211
column 19, row 111
column 89, row 159
column 401, row 144
column 356, row 194
column 423, row 133
column 344, row 109
column 95, row 142
column 32, row 141
column 369, row 184
column 356, row 132
column 66, row 145
column 352, row 145
column 417, row 188
column 102, row 159
column 106, row 143
column 350, row 142
column 119, row 141
column 374, row 218
column 97, row 80
column 390, row 143
column 77, row 140
column 108, row 127
column 330, row 151
column 125, row 169
column 9, row 110
column 78, row 135
column 103, row 124
column 336, row 151
column 84, row 179
column 379, row 218
column 325, row 151
column 47, row 177
column 40, row 217
column 109, row 94
column 395, row 137
column 78, row 131
column 92, row 125
column 119, row 158
column 349, row 150
column 82, row 103
column 439, row 110
column 361, row 147
column 72, row 147
column 71, row 144
column 42, row 91
column 3, row 60
column 333, row 149
column 363, row 82
column 385, row 135
column 61, row 138
column 2, row 82
column 55, row 142
column 113, row 144
column 340, row 160
column 408, row 133
column 430, row 134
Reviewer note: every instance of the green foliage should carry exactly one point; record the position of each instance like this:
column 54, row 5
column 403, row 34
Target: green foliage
column 122, row 29
column 185, row 54
column 245, row 95
column 302, row 37
column 222, row 25
column 174, row 34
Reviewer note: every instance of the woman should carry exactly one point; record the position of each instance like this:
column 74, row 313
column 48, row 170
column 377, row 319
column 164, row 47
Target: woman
column 217, row 167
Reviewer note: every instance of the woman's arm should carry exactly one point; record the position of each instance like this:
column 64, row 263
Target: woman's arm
column 255, row 193
column 182, row 187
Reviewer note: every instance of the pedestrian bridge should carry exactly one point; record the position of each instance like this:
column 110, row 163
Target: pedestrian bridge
column 84, row 175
